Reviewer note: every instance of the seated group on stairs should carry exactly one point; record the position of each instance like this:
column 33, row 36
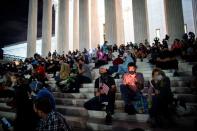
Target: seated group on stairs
column 159, row 94
column 28, row 83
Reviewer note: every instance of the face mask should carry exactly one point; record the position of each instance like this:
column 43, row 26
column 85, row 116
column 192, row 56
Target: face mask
column 132, row 72
column 103, row 75
column 159, row 77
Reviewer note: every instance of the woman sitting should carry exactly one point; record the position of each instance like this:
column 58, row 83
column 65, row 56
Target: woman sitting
column 101, row 58
column 64, row 73
column 161, row 99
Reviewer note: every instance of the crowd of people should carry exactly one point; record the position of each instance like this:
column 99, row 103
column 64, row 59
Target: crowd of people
column 25, row 82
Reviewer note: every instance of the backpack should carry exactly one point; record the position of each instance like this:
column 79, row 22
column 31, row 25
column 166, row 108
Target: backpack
column 141, row 104
column 68, row 85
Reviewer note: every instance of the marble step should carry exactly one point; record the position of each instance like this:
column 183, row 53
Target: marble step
column 143, row 70
column 174, row 83
column 185, row 90
column 5, row 107
column 187, row 97
column 96, row 124
column 119, row 104
column 118, row 115
column 181, row 78
column 191, row 98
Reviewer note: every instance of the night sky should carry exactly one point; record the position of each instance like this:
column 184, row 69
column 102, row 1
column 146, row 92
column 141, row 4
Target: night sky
column 14, row 21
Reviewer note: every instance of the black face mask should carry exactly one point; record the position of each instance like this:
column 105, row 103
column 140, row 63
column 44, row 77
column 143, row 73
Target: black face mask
column 104, row 75
column 132, row 72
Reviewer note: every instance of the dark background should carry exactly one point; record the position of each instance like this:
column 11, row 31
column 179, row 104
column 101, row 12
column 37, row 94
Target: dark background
column 14, row 21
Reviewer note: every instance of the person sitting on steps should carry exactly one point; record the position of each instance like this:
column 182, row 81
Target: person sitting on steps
column 133, row 82
column 161, row 101
column 105, row 92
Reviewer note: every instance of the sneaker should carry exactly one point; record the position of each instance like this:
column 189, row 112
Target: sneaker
column 108, row 119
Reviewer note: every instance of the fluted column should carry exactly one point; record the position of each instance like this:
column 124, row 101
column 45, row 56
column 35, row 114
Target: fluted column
column 174, row 19
column 84, row 30
column 114, row 22
column 63, row 26
column 119, row 23
column 194, row 3
column 76, row 24
column 46, row 27
column 110, row 21
column 32, row 28
column 56, row 8
column 95, row 34
column 140, row 20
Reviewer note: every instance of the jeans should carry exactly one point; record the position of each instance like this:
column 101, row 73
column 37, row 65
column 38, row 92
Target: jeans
column 127, row 94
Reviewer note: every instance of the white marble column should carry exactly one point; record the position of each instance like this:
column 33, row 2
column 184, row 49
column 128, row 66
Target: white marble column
column 63, row 27
column 46, row 27
column 110, row 22
column 84, row 30
column 174, row 19
column 119, row 23
column 76, row 24
column 56, row 8
column 194, row 3
column 94, row 27
column 140, row 20
column 114, row 28
column 32, row 28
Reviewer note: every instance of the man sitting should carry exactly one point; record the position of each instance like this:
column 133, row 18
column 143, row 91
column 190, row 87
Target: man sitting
column 84, row 73
column 50, row 119
column 133, row 82
column 105, row 92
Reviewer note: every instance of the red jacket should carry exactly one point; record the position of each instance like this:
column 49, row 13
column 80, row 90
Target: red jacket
column 118, row 61
column 40, row 70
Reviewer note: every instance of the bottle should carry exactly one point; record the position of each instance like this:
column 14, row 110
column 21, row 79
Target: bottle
column 149, row 100
column 6, row 123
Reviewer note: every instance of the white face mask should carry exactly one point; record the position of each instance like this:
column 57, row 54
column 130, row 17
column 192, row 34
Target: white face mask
column 159, row 77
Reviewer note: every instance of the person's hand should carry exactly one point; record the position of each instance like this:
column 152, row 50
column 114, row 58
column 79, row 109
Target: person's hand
column 113, row 89
column 77, row 65
column 157, row 92
column 98, row 93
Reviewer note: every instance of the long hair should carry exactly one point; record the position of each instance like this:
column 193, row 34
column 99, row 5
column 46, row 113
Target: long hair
column 160, row 72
